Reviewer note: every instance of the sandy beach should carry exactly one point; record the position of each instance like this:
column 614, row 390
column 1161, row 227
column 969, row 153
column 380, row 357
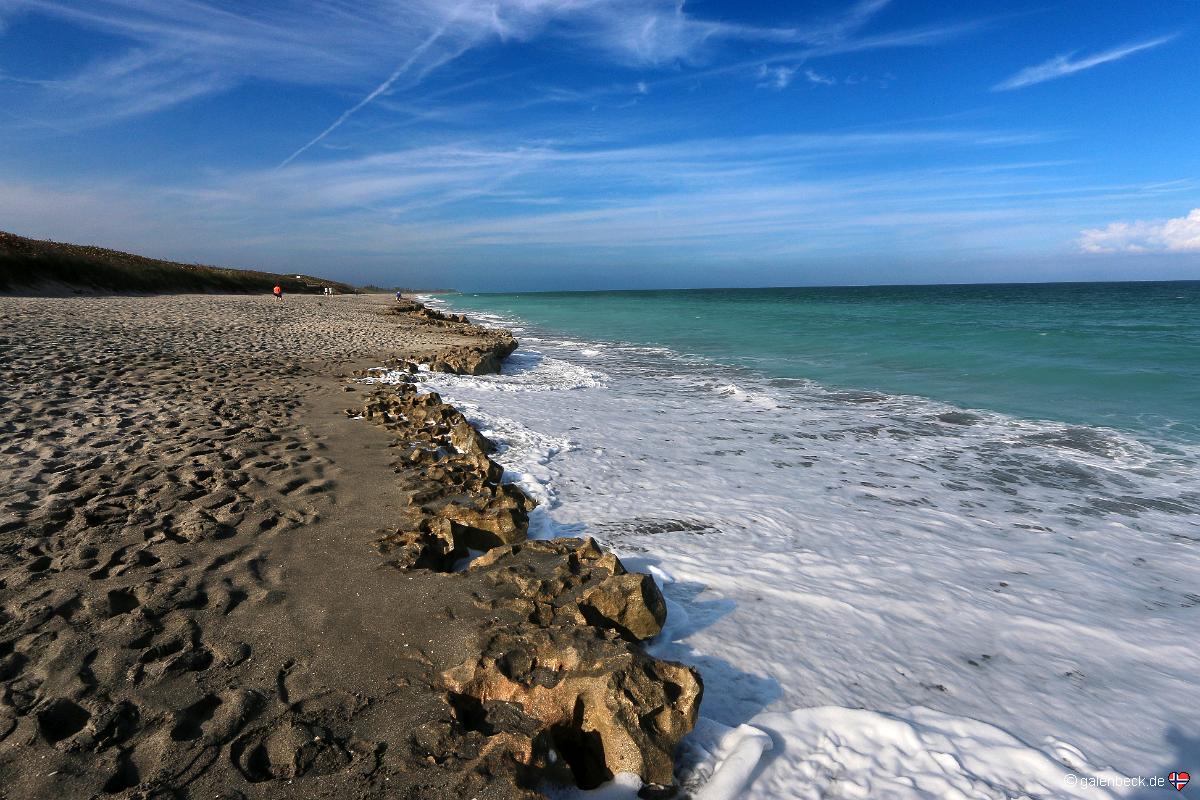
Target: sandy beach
column 217, row 579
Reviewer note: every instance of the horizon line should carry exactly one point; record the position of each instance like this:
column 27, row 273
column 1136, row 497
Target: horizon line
column 810, row 286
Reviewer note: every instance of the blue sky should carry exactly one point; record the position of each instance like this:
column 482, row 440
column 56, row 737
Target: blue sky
column 518, row 144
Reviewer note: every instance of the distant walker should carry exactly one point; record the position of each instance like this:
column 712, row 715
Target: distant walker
column 278, row 292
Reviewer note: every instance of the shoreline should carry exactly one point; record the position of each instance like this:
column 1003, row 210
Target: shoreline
column 927, row 554
column 209, row 610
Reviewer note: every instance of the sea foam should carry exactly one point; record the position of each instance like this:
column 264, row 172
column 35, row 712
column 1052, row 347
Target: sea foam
column 977, row 600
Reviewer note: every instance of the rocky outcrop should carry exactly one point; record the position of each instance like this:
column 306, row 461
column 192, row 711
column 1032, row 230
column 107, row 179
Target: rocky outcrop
column 560, row 684
column 482, row 353
column 600, row 703
column 572, row 582
column 410, row 306
column 570, row 664
column 461, row 504
column 481, row 360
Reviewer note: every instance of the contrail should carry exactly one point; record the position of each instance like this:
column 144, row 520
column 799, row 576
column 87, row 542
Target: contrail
column 380, row 89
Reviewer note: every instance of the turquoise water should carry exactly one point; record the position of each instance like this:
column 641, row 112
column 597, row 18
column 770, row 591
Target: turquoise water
column 1122, row 355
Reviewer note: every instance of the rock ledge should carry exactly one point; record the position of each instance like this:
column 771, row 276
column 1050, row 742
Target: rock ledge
column 560, row 687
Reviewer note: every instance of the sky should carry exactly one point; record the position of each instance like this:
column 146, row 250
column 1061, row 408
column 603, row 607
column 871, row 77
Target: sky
column 493, row 145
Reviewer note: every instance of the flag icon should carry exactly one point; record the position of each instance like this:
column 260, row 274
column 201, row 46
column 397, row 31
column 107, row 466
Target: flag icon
column 1179, row 780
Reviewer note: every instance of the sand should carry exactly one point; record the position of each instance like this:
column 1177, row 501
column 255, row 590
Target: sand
column 190, row 605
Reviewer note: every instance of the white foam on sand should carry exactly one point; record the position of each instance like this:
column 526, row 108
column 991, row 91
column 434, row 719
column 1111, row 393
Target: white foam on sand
column 886, row 597
column 815, row 753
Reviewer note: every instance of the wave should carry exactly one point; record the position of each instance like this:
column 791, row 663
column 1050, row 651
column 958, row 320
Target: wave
column 527, row 370
column 760, row 399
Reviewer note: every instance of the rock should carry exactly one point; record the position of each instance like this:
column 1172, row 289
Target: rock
column 482, row 357
column 564, row 581
column 630, row 604
column 559, row 683
column 469, row 441
column 431, row 546
column 605, row 706
column 572, row 663
column 497, row 516
column 461, row 504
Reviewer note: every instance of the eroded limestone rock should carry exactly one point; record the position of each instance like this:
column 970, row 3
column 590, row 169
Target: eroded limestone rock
column 483, row 356
column 571, row 663
column 605, row 706
column 572, row 581
column 461, row 505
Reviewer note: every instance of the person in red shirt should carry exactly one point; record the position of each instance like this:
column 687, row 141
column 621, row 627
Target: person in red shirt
column 278, row 290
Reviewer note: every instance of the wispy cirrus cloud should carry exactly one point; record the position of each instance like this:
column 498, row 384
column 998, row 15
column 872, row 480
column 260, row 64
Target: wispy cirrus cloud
column 1067, row 64
column 822, row 80
column 188, row 49
column 1176, row 235
column 633, row 32
column 842, row 44
column 714, row 198
column 779, row 77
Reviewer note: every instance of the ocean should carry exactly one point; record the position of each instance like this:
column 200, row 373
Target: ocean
column 1125, row 355
column 955, row 528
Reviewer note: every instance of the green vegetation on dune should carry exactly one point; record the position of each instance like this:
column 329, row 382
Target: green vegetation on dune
column 31, row 264
column 371, row 288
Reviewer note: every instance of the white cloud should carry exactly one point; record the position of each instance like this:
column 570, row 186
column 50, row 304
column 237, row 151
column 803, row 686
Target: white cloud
column 1176, row 235
column 816, row 77
column 775, row 77
column 450, row 202
column 181, row 50
column 1067, row 64
column 134, row 83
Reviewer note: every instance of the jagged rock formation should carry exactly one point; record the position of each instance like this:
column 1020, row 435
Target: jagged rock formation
column 600, row 702
column 560, row 684
column 572, row 582
column 571, row 666
column 462, row 505
column 425, row 312
column 483, row 354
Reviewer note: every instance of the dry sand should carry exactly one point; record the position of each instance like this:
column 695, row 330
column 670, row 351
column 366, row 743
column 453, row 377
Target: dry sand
column 188, row 608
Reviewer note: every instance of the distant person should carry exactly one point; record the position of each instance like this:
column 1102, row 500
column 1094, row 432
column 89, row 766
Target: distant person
column 399, row 296
column 278, row 292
